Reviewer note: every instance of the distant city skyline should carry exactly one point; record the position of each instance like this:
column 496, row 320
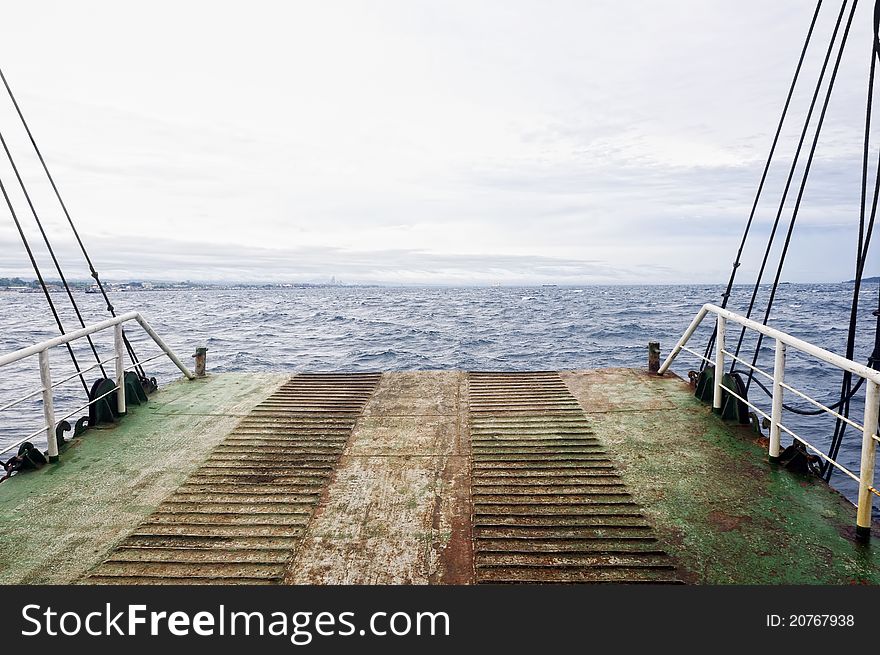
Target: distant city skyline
column 416, row 143
column 148, row 284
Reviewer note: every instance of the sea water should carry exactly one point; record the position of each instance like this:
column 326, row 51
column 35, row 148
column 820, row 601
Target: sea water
column 364, row 328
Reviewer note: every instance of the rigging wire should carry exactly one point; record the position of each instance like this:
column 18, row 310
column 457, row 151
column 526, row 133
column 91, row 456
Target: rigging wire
column 42, row 282
column 725, row 297
column 864, row 240
column 792, row 169
column 33, row 209
column 865, row 231
column 803, row 185
column 93, row 271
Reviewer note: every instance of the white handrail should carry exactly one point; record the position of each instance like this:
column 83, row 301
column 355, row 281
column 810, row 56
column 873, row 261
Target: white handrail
column 865, row 478
column 65, row 338
column 820, row 353
column 42, row 351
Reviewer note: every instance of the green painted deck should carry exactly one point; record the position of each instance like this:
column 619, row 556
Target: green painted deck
column 406, row 499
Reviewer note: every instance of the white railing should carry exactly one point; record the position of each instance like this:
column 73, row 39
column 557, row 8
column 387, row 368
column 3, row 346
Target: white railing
column 865, row 477
column 41, row 350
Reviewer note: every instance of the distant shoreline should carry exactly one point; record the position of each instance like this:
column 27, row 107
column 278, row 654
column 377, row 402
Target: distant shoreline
column 18, row 285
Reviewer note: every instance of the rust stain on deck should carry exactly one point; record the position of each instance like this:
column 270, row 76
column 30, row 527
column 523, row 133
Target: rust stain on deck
column 456, row 556
column 397, row 511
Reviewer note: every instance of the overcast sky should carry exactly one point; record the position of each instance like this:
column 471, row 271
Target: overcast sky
column 439, row 142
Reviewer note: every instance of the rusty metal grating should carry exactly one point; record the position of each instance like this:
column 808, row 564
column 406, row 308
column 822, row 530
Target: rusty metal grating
column 240, row 516
column 548, row 503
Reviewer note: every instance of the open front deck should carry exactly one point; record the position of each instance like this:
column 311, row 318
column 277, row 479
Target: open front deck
column 428, row 478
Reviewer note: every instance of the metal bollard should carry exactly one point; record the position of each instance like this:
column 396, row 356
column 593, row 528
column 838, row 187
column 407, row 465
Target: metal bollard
column 654, row 356
column 201, row 357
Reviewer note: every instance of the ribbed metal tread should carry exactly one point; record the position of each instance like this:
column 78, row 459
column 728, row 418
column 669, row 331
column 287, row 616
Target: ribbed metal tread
column 240, row 516
column 548, row 502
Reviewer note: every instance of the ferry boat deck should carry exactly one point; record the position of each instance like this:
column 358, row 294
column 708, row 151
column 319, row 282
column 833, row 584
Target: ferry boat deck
column 429, row 477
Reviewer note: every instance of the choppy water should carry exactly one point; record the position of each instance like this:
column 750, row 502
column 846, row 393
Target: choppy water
column 380, row 329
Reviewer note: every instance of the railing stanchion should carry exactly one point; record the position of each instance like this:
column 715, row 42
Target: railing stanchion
column 119, row 346
column 866, row 468
column 719, row 362
column 48, row 407
column 778, row 390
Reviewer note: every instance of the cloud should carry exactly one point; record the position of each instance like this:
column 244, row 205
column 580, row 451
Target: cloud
column 497, row 141
column 173, row 260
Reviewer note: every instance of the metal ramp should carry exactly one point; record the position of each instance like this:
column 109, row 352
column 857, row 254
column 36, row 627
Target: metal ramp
column 548, row 503
column 240, row 516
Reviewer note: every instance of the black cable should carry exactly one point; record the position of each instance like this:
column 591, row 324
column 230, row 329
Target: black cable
column 874, row 360
column 792, row 172
column 45, row 289
column 725, row 297
column 51, row 251
column 864, row 240
column 94, row 273
column 803, row 186
column 805, row 412
column 848, row 390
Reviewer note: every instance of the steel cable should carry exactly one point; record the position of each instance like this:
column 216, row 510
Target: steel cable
column 793, row 168
column 92, row 270
column 39, row 223
column 725, row 297
column 42, row 282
